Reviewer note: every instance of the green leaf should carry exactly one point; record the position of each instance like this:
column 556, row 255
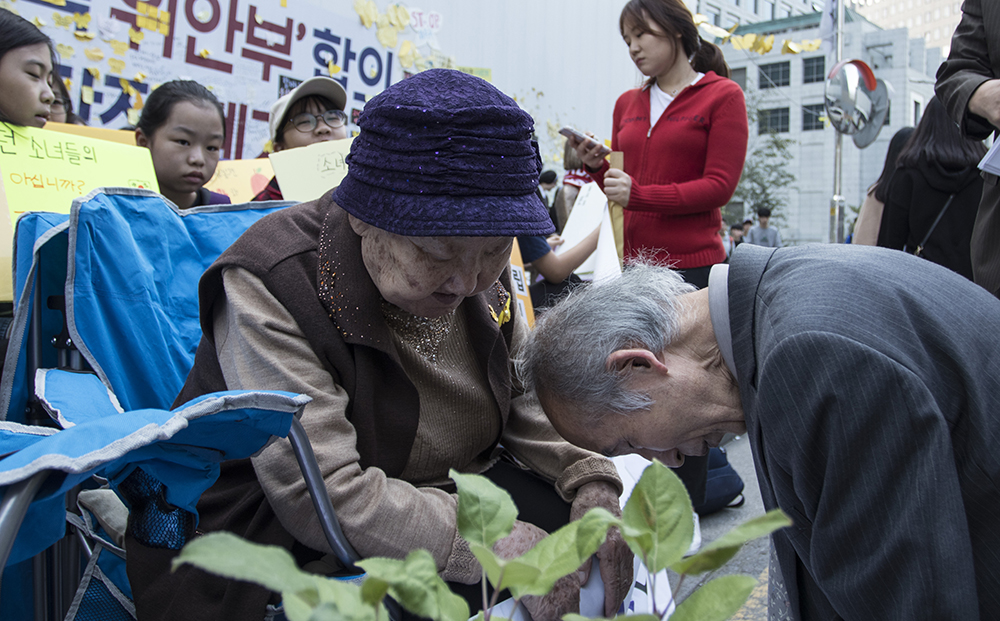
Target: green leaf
column 299, row 605
column 326, row 612
column 492, row 563
column 716, row 600
column 657, row 521
column 373, row 590
column 717, row 553
column 233, row 557
column 486, row 513
column 343, row 611
column 559, row 554
column 346, row 597
column 517, row 574
column 416, row 585
column 572, row 616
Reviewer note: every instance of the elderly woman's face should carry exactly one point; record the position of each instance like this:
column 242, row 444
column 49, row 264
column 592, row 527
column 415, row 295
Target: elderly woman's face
column 431, row 276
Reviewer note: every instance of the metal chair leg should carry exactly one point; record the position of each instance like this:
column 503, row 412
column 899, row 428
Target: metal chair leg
column 13, row 508
column 324, row 507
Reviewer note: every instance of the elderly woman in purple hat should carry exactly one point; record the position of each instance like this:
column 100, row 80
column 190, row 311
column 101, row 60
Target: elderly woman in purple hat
column 388, row 302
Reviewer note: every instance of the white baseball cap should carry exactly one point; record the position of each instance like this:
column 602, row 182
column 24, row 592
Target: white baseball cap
column 317, row 85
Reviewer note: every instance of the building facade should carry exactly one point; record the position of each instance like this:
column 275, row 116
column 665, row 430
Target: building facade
column 933, row 20
column 787, row 92
column 726, row 13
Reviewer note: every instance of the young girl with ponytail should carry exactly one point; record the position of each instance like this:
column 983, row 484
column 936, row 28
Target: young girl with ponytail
column 684, row 139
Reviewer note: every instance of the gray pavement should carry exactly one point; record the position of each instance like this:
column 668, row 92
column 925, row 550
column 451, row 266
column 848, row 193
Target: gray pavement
column 752, row 559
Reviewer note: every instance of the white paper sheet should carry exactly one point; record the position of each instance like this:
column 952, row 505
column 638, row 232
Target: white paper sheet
column 991, row 161
column 586, row 216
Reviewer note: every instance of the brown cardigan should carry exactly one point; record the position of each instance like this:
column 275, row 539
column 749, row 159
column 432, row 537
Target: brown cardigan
column 310, row 260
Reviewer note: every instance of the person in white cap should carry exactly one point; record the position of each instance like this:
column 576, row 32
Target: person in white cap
column 312, row 112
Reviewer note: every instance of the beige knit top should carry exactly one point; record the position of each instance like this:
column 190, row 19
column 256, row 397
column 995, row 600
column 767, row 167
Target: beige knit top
column 260, row 346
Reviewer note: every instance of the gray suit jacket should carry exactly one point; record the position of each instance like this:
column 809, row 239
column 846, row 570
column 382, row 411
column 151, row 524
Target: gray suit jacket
column 870, row 383
column 974, row 59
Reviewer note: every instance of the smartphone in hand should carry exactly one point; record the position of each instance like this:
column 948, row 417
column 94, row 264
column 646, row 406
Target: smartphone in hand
column 570, row 132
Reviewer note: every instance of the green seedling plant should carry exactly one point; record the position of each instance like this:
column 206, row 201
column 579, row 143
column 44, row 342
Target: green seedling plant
column 656, row 523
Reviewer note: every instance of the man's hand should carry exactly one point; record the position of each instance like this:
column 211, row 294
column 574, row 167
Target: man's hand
column 617, row 186
column 564, row 596
column 985, row 102
column 614, row 556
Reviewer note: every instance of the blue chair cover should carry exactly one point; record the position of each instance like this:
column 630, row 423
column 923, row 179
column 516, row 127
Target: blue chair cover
column 40, row 245
column 128, row 262
column 132, row 289
column 181, row 448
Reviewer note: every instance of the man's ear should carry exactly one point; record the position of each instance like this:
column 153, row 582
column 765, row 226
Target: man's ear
column 632, row 360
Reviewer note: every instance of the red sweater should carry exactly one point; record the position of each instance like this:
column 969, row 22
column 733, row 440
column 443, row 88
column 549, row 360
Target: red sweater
column 683, row 170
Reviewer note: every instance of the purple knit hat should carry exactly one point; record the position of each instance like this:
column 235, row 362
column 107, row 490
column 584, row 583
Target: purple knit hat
column 445, row 153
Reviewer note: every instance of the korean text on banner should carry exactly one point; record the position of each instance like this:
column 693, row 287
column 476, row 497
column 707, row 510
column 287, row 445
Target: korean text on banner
column 45, row 170
column 306, row 173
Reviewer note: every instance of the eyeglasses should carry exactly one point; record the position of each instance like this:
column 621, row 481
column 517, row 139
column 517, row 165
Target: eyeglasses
column 306, row 122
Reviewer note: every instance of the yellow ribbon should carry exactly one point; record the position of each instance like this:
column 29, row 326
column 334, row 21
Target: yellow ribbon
column 504, row 316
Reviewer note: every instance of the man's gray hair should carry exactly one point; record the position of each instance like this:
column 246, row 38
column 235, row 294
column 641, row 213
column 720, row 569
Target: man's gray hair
column 565, row 356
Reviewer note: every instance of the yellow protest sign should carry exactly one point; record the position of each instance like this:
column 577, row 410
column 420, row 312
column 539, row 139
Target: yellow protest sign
column 519, row 282
column 121, row 136
column 306, row 173
column 43, row 170
column 241, row 180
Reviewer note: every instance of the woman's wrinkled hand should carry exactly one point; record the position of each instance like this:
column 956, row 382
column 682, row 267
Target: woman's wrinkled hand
column 564, row 596
column 614, row 556
column 617, row 186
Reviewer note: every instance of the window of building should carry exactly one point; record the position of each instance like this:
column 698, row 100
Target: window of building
column 811, row 117
column 916, row 112
column 736, row 2
column 786, row 11
column 888, row 114
column 713, row 14
column 756, row 6
column 772, row 120
column 768, row 12
column 813, row 69
column 774, row 75
column 739, row 76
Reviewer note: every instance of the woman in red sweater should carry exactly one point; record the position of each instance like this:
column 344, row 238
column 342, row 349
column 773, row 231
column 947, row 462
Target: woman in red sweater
column 684, row 138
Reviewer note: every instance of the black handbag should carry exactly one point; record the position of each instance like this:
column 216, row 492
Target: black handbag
column 920, row 246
